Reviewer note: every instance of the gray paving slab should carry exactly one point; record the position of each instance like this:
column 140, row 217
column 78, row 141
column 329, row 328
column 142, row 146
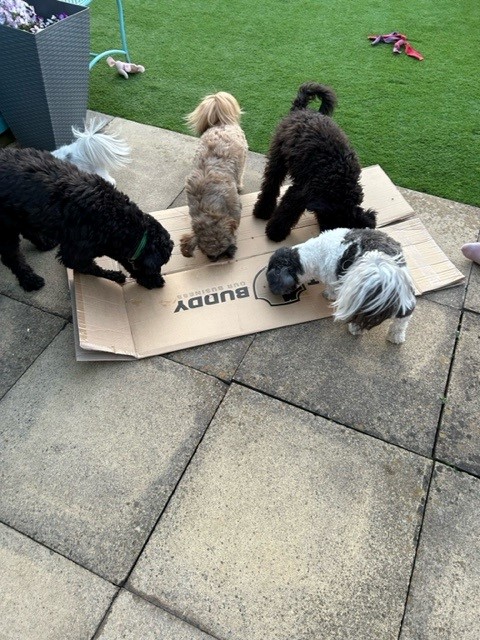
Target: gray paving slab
column 132, row 618
column 287, row 526
column 45, row 596
column 391, row 391
column 98, row 114
column 444, row 599
column 160, row 162
column 451, row 225
column 472, row 300
column 26, row 332
column 54, row 297
column 180, row 200
column 92, row 451
column 459, row 436
column 220, row 359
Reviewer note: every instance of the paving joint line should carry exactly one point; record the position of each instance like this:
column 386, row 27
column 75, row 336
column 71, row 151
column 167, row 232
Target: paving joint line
column 106, row 615
column 163, row 607
column 192, row 368
column 244, row 356
column 333, row 420
column 33, row 361
column 147, row 539
column 56, row 552
column 177, row 196
column 29, row 304
column 452, row 362
column 414, row 561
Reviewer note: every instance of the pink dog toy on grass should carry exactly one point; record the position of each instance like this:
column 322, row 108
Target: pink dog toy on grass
column 124, row 68
column 399, row 40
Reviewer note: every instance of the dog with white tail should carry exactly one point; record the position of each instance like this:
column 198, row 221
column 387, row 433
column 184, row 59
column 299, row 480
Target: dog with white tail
column 364, row 272
column 94, row 151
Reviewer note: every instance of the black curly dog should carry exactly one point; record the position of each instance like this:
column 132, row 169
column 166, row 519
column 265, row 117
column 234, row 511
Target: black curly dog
column 50, row 202
column 324, row 169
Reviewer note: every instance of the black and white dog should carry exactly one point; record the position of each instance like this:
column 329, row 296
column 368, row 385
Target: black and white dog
column 51, row 202
column 364, row 271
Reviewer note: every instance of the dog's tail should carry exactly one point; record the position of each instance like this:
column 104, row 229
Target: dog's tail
column 376, row 287
column 101, row 149
column 311, row 90
column 216, row 109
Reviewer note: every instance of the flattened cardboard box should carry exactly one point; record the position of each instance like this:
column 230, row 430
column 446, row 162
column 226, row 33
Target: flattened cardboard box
column 204, row 302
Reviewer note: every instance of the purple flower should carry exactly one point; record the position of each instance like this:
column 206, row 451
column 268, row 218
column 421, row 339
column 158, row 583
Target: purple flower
column 20, row 15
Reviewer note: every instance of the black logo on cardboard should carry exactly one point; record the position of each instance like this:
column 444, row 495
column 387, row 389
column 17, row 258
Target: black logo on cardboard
column 208, row 297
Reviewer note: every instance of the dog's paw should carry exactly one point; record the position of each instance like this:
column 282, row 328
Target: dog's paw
column 151, row 282
column 354, row 329
column 115, row 276
column 396, row 337
column 185, row 251
column 31, row 282
column 262, row 212
column 276, row 233
column 188, row 243
column 328, row 294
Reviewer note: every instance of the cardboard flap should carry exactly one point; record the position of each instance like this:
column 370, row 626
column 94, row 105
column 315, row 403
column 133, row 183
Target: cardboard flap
column 429, row 266
column 382, row 195
column 101, row 313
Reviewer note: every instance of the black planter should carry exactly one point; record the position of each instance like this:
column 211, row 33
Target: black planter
column 44, row 76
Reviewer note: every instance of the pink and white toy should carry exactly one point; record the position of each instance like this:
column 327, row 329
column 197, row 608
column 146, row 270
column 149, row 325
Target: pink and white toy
column 124, row 68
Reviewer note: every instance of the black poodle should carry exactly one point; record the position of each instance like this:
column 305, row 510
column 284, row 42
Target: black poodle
column 50, row 202
column 325, row 171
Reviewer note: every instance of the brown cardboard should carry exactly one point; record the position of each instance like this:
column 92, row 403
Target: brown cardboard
column 205, row 302
column 380, row 194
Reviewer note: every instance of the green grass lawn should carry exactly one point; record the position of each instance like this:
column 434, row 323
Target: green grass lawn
column 419, row 120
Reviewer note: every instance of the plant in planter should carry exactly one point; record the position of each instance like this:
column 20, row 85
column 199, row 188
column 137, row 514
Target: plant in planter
column 20, row 15
column 44, row 86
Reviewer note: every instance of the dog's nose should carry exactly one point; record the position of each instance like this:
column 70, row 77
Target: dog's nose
column 280, row 283
column 230, row 252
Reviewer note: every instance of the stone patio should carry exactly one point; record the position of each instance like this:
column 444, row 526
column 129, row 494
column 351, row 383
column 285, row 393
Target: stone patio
column 298, row 484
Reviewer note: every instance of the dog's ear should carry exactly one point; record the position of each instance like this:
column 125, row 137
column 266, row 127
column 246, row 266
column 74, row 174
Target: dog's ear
column 188, row 244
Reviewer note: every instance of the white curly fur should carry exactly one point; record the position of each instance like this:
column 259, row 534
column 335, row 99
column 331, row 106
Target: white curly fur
column 373, row 269
column 95, row 152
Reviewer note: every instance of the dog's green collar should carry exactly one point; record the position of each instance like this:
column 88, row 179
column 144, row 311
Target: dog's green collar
column 140, row 248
